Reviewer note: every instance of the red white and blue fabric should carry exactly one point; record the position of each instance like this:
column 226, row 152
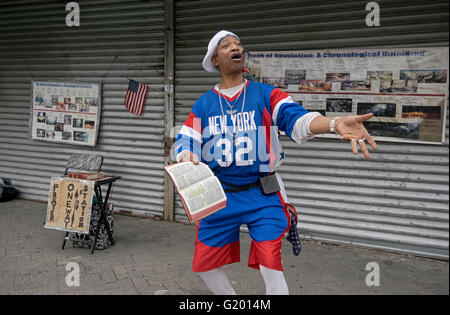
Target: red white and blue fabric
column 251, row 151
column 293, row 236
column 217, row 242
column 135, row 97
column 267, row 110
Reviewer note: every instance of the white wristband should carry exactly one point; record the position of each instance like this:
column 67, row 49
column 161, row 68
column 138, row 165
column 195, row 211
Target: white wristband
column 333, row 125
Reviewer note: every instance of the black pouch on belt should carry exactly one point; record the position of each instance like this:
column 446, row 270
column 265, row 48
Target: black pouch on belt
column 269, row 184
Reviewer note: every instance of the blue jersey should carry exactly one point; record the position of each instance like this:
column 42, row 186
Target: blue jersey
column 240, row 143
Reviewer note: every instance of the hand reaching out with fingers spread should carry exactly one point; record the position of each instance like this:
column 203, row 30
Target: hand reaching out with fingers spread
column 351, row 128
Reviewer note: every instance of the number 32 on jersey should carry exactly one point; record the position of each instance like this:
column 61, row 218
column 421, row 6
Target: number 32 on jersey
column 243, row 154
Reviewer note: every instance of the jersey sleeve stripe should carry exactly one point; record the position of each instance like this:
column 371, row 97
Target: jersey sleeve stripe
column 277, row 106
column 275, row 97
column 193, row 122
column 267, row 124
column 191, row 133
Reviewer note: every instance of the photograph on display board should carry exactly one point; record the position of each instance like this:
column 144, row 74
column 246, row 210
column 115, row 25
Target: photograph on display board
column 41, row 117
column 40, row 133
column 89, row 124
column 77, row 123
column 50, row 134
column 339, row 105
column 294, row 76
column 79, row 100
column 68, row 120
column 424, row 76
column 378, row 109
column 91, row 101
column 67, row 136
column 50, row 119
column 355, row 85
column 60, row 106
column 39, row 101
column 72, row 107
column 80, row 136
column 84, row 108
column 315, row 85
column 421, row 112
column 393, row 130
column 59, row 127
column 278, row 82
column 379, row 75
column 54, row 99
column 337, row 77
column 399, row 86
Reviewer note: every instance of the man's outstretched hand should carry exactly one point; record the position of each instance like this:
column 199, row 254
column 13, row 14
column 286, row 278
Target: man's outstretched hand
column 351, row 129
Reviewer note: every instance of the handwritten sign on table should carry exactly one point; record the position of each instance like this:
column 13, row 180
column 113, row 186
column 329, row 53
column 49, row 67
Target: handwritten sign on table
column 69, row 205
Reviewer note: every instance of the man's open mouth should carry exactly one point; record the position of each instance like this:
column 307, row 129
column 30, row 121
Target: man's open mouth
column 236, row 56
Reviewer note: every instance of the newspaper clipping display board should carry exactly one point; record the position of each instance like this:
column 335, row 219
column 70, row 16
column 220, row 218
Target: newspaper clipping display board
column 69, row 205
column 406, row 89
column 65, row 112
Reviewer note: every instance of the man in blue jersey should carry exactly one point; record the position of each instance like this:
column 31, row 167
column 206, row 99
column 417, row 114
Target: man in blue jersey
column 234, row 129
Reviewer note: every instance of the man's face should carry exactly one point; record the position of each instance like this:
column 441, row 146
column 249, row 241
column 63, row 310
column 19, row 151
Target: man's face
column 229, row 57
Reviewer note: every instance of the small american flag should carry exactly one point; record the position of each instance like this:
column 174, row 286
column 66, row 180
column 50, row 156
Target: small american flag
column 135, row 97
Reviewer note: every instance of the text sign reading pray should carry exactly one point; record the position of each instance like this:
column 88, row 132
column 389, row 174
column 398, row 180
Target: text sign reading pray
column 69, row 205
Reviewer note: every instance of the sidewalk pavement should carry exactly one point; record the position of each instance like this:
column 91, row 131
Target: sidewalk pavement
column 154, row 257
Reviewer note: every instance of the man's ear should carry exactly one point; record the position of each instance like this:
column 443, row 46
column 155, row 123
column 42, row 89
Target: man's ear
column 214, row 61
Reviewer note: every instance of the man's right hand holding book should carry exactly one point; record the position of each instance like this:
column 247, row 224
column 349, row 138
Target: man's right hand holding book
column 187, row 156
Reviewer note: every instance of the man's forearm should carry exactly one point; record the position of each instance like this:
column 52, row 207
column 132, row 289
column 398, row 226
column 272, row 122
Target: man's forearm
column 320, row 125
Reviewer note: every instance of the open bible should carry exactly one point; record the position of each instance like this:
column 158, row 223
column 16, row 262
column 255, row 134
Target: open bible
column 198, row 188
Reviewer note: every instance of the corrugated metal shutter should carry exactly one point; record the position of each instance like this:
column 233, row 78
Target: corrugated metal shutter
column 116, row 40
column 397, row 201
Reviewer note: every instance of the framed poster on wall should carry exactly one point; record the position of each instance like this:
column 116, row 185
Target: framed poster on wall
column 405, row 88
column 65, row 112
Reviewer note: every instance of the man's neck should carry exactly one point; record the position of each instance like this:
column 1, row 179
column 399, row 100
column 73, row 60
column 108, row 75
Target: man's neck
column 231, row 81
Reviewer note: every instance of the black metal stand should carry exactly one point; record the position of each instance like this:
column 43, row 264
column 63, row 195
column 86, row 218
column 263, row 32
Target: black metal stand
column 102, row 204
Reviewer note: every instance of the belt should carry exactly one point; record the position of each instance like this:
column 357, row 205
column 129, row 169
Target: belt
column 240, row 188
column 236, row 188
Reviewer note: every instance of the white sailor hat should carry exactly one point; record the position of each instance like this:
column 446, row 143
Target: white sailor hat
column 212, row 46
